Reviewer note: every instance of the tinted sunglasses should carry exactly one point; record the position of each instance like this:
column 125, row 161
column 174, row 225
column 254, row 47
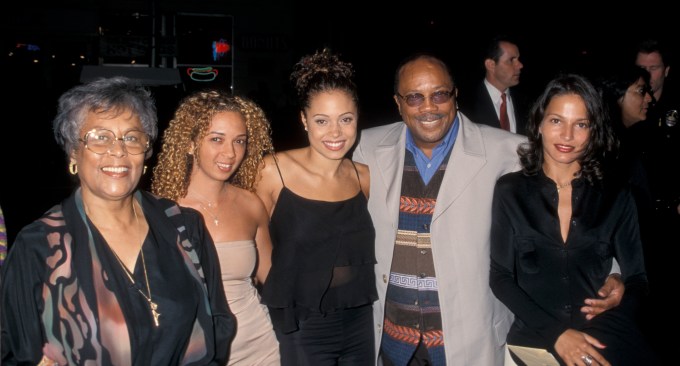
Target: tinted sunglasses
column 416, row 99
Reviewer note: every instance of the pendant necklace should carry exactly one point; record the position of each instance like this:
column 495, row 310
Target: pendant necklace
column 560, row 186
column 152, row 305
column 210, row 204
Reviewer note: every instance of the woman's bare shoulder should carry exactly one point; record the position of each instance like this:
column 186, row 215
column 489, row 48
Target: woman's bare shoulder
column 249, row 202
column 268, row 169
column 291, row 157
column 286, row 162
column 362, row 168
column 281, row 158
column 364, row 177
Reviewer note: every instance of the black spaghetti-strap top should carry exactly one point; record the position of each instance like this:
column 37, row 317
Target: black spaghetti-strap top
column 322, row 259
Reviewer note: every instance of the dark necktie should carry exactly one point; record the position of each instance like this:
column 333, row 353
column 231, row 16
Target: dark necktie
column 505, row 122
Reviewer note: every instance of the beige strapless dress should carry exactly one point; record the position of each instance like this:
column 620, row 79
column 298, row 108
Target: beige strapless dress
column 255, row 342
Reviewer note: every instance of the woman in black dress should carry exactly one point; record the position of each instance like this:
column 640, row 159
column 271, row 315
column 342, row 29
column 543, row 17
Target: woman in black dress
column 321, row 284
column 557, row 225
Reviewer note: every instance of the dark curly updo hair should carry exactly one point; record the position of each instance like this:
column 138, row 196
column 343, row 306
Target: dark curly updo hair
column 321, row 72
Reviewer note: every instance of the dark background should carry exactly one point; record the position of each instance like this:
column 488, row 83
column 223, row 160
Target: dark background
column 45, row 46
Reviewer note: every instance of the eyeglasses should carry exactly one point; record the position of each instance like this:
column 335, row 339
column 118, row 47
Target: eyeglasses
column 644, row 90
column 416, row 99
column 100, row 141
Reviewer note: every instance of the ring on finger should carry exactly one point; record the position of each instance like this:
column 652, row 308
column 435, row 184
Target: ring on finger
column 587, row 359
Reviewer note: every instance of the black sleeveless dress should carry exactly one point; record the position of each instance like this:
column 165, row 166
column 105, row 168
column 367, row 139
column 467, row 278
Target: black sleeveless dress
column 322, row 260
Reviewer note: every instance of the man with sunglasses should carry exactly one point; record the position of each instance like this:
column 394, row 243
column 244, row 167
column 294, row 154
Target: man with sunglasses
column 432, row 182
column 495, row 101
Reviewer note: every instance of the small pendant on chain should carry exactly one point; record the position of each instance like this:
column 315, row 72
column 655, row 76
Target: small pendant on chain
column 560, row 186
column 155, row 313
column 215, row 218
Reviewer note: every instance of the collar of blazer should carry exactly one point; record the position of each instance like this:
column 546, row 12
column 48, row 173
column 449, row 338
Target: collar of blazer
column 469, row 151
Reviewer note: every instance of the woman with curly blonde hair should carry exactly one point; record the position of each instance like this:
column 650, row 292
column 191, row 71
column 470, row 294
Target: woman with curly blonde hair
column 321, row 285
column 209, row 161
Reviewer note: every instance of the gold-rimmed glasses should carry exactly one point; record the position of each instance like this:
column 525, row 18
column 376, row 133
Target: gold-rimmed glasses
column 100, row 141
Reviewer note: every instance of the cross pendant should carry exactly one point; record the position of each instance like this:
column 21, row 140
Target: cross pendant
column 155, row 314
column 217, row 222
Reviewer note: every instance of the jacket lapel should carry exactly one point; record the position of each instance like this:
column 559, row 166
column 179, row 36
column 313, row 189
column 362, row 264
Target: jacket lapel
column 390, row 158
column 467, row 159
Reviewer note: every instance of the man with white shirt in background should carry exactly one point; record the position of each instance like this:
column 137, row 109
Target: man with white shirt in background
column 494, row 101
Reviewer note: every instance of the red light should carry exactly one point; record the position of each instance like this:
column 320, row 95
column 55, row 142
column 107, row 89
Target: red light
column 220, row 48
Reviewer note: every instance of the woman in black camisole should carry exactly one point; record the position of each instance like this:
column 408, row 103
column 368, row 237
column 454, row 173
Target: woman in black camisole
column 321, row 284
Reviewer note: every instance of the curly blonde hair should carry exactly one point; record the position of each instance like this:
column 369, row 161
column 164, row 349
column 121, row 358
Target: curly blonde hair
column 172, row 174
column 322, row 71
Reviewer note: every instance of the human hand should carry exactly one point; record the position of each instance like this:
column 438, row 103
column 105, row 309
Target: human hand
column 46, row 361
column 578, row 348
column 610, row 294
column 52, row 356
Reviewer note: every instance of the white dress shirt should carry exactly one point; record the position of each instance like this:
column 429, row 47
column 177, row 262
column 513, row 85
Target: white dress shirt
column 495, row 95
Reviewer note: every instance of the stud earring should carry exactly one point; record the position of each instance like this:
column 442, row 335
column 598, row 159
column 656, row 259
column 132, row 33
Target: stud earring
column 73, row 167
column 305, row 128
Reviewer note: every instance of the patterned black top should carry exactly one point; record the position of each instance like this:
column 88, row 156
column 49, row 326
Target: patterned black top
column 66, row 296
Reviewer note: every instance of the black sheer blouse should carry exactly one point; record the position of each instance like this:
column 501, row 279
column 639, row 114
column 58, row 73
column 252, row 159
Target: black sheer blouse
column 322, row 260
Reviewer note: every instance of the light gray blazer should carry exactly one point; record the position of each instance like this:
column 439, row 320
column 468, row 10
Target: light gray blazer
column 475, row 323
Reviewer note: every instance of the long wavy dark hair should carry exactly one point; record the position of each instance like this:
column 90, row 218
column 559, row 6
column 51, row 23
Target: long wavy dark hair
column 600, row 142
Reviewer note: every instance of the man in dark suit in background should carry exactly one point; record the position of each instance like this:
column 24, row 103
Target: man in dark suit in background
column 658, row 139
column 494, row 101
column 660, row 133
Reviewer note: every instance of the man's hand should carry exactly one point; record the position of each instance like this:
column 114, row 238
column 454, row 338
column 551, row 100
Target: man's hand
column 610, row 297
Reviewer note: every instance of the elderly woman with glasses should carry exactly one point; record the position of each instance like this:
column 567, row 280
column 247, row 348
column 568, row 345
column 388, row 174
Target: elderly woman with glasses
column 113, row 275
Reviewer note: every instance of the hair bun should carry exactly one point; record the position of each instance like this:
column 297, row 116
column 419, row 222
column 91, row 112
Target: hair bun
column 320, row 68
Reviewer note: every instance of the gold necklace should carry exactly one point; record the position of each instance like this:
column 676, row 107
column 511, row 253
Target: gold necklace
column 560, row 186
column 211, row 204
column 152, row 305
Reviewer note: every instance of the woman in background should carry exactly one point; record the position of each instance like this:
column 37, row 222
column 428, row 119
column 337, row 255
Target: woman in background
column 627, row 96
column 209, row 161
column 321, row 285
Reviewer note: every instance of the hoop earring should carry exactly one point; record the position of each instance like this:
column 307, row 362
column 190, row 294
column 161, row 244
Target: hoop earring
column 73, row 168
column 144, row 171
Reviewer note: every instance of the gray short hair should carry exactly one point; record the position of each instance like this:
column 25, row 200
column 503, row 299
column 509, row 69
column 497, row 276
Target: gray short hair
column 116, row 94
